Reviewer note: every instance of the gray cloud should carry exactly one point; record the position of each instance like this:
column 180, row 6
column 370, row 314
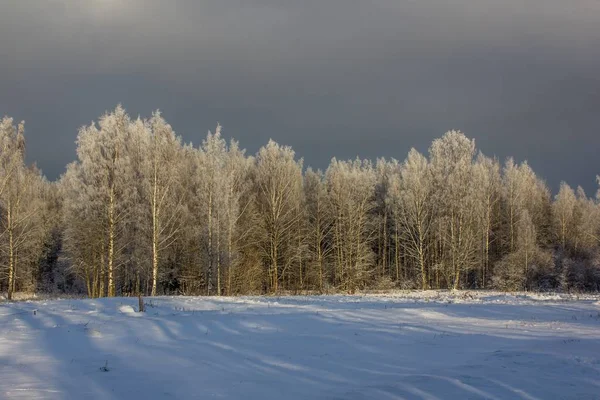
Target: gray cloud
column 329, row 77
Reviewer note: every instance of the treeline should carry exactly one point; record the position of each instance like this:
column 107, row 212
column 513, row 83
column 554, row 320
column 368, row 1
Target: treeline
column 141, row 212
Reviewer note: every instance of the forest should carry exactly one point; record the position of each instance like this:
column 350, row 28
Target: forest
column 141, row 212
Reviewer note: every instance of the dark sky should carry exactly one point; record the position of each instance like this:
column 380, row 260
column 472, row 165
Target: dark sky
column 328, row 77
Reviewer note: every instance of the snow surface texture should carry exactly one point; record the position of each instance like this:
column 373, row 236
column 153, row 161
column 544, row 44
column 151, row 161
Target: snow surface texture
column 418, row 345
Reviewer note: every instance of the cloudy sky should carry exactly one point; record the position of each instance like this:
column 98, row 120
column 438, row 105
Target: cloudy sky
column 328, row 77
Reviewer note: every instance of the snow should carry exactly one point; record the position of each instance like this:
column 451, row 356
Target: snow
column 405, row 345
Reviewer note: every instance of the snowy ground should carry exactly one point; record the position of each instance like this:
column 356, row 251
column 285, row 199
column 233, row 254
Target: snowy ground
column 404, row 346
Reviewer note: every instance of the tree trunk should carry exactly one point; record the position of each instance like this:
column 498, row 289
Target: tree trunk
column 111, row 243
column 319, row 252
column 88, row 284
column 300, row 262
column 154, row 232
column 218, row 257
column 275, row 269
column 512, row 228
column 385, row 244
column 11, row 253
column 100, row 291
column 421, row 251
column 397, row 251
column 230, row 257
column 210, row 252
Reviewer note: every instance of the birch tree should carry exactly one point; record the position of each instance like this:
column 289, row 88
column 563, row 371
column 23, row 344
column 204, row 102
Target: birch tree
column 563, row 210
column 395, row 205
column 513, row 194
column 416, row 213
column 137, row 212
column 212, row 160
column 586, row 223
column 382, row 215
column 162, row 187
column 12, row 144
column 350, row 187
column 101, row 177
column 527, row 246
column 451, row 160
column 320, row 226
column 279, row 186
column 22, row 190
column 83, row 220
column 238, row 199
column 21, row 204
column 488, row 192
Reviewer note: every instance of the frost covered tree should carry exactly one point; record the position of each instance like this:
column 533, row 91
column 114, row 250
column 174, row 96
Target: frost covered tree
column 279, row 188
column 513, row 271
column 220, row 198
column 527, row 246
column 588, row 221
column 382, row 218
column 25, row 227
column 395, row 207
column 212, row 160
column 142, row 213
column 563, row 210
column 12, row 144
column 162, row 187
column 238, row 200
column 488, row 191
column 98, row 184
column 320, row 226
column 513, row 186
column 22, row 228
column 83, row 223
column 523, row 190
column 585, row 222
column 350, row 187
column 451, row 160
column 415, row 213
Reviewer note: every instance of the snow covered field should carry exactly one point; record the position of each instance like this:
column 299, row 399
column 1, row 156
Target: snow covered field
column 405, row 346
